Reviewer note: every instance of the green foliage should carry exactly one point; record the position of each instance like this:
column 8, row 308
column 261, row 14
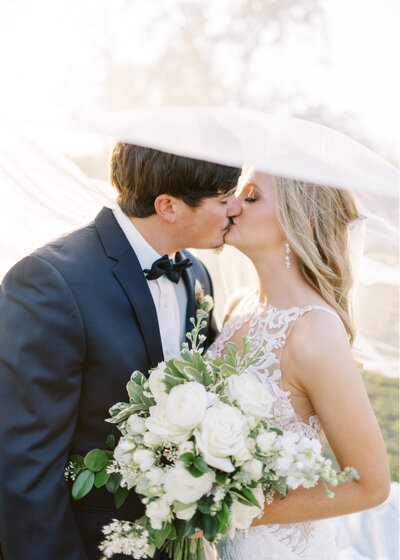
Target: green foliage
column 83, row 484
column 101, row 478
column 96, row 460
column 120, row 496
column 113, row 482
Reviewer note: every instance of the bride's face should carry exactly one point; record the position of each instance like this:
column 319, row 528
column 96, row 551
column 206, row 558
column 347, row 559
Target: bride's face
column 257, row 228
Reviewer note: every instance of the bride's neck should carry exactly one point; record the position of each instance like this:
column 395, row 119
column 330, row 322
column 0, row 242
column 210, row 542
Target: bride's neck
column 280, row 286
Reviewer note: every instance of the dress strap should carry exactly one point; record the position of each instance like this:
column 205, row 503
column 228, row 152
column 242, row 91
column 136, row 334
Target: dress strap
column 303, row 310
column 322, row 308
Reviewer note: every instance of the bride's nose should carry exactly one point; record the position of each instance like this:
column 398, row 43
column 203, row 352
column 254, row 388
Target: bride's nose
column 235, row 208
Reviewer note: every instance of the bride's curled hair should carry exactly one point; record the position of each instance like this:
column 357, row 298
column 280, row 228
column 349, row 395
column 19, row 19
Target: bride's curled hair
column 315, row 220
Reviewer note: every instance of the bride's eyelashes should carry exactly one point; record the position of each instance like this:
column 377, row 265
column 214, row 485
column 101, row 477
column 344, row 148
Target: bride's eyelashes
column 251, row 199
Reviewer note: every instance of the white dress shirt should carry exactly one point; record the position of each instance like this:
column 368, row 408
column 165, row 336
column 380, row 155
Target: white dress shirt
column 170, row 299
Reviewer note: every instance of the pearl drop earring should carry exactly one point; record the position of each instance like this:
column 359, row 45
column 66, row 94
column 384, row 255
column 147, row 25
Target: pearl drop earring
column 287, row 258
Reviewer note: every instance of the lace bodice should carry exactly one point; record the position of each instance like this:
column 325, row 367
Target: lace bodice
column 268, row 327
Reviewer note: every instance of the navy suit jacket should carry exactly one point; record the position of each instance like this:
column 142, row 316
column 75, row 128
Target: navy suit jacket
column 76, row 318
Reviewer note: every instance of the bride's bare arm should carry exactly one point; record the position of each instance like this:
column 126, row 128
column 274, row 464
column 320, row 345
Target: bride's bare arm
column 319, row 361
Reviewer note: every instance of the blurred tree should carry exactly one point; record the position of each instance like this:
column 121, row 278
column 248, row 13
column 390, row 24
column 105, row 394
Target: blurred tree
column 208, row 53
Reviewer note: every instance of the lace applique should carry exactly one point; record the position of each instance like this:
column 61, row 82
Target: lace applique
column 268, row 328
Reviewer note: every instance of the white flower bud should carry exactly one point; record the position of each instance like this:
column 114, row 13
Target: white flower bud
column 186, row 447
column 135, row 425
column 254, row 468
column 266, row 440
column 144, row 458
column 152, row 440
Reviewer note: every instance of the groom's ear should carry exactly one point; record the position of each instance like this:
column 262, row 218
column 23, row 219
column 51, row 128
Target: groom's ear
column 165, row 206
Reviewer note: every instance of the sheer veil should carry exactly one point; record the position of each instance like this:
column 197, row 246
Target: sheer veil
column 43, row 194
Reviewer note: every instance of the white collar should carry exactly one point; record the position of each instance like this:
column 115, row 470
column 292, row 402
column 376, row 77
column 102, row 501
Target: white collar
column 145, row 253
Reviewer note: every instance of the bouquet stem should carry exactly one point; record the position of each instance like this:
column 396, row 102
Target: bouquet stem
column 185, row 549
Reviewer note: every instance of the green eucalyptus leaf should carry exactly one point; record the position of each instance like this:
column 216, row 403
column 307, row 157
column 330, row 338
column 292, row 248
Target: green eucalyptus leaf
column 120, row 496
column 187, row 458
column 209, row 525
column 96, row 460
column 194, row 472
column 113, row 481
column 200, row 464
column 110, row 442
column 221, row 477
column 205, row 503
column 192, row 524
column 223, row 514
column 101, row 478
column 82, row 484
column 162, row 534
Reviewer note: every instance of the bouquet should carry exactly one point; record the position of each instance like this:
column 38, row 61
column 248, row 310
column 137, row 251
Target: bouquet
column 200, row 449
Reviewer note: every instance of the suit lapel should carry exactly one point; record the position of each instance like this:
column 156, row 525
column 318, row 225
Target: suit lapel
column 130, row 276
column 189, row 278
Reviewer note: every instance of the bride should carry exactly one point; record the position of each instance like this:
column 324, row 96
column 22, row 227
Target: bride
column 296, row 235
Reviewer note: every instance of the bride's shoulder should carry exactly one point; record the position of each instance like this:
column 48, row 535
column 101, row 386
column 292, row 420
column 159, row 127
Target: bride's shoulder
column 235, row 301
column 317, row 339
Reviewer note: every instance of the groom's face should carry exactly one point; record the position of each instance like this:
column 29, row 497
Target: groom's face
column 205, row 226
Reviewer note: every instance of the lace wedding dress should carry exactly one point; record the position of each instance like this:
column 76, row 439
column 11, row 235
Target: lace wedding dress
column 268, row 328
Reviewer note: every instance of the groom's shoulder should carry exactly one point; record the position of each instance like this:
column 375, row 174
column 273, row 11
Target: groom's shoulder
column 75, row 250
column 74, row 243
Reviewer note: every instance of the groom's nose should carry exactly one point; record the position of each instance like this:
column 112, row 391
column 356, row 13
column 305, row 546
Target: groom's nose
column 234, row 207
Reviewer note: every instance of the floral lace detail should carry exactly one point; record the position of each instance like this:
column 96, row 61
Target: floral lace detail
column 268, row 327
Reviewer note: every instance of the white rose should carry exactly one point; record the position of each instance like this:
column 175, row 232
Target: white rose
column 156, row 384
column 242, row 456
column 152, row 440
column 241, row 516
column 251, row 393
column 186, row 405
column 158, row 511
column 254, row 468
column 221, row 434
column 265, row 441
column 181, row 486
column 123, row 451
column 186, row 513
column 135, row 425
column 158, row 423
column 144, row 458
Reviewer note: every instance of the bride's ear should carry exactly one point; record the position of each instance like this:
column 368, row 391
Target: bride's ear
column 165, row 207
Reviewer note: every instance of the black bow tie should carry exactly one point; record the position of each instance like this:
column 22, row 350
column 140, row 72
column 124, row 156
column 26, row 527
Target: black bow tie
column 164, row 265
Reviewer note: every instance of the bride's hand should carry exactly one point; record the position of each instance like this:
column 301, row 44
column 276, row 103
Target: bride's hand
column 197, row 535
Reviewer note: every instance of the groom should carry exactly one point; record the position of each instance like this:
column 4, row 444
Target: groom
column 76, row 318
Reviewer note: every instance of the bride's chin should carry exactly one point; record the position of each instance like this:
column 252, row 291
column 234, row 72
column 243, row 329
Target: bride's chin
column 229, row 237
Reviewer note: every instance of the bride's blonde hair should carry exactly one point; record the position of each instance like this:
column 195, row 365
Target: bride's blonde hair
column 315, row 221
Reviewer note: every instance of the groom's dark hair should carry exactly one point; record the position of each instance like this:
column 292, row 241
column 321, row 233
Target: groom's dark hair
column 141, row 174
